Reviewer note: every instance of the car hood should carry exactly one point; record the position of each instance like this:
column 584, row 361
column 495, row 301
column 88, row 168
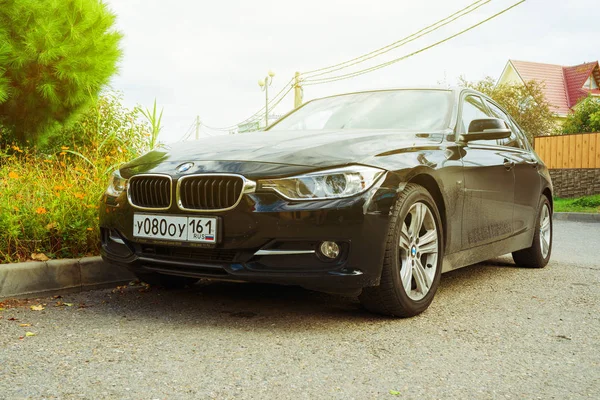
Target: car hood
column 310, row 149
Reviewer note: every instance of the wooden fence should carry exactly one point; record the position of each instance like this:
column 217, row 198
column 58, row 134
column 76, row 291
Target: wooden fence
column 569, row 151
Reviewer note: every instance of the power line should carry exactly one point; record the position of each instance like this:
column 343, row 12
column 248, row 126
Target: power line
column 282, row 97
column 273, row 103
column 388, row 63
column 257, row 115
column 204, row 131
column 188, row 132
column 375, row 53
column 327, row 70
column 462, row 12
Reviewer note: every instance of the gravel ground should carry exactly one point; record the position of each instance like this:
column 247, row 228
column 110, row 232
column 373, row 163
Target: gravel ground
column 493, row 331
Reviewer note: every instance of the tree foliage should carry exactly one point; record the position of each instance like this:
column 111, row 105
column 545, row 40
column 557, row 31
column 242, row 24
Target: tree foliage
column 525, row 103
column 585, row 117
column 55, row 57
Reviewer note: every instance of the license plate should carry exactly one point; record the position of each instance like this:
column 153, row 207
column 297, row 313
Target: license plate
column 183, row 229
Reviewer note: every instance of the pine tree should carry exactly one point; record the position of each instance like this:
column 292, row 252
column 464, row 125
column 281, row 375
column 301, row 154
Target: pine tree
column 55, row 57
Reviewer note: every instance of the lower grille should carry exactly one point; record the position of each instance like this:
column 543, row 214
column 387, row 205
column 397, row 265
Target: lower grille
column 209, row 192
column 150, row 191
column 190, row 254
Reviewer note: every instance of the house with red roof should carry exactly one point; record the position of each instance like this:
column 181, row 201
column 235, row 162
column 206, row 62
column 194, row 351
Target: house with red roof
column 565, row 86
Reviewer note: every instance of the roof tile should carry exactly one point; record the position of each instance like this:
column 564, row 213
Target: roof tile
column 563, row 85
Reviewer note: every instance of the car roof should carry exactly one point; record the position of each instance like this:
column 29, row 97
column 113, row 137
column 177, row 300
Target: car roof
column 455, row 89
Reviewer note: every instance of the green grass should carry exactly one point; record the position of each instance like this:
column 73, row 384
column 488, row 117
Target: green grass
column 587, row 204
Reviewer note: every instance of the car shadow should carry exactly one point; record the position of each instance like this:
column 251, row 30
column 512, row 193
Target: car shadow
column 273, row 307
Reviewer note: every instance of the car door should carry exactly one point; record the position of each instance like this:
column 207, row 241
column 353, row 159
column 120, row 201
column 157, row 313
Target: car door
column 489, row 185
column 527, row 179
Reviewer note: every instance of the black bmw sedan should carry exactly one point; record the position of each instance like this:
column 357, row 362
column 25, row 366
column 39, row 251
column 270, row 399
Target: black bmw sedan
column 372, row 194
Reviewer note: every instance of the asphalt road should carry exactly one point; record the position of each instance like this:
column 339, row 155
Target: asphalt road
column 493, row 331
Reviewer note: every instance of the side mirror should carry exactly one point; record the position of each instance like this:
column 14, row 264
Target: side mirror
column 486, row 129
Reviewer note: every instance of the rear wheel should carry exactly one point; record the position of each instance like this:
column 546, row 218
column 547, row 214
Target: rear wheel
column 413, row 257
column 538, row 255
column 166, row 281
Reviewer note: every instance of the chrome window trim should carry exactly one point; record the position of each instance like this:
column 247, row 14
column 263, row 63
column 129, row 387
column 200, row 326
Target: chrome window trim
column 151, row 208
column 248, row 186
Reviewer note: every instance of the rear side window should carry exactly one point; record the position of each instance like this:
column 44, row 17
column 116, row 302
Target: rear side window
column 513, row 140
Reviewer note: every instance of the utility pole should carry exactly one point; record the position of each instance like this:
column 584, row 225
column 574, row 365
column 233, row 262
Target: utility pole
column 264, row 85
column 298, row 91
column 197, row 127
column 267, row 104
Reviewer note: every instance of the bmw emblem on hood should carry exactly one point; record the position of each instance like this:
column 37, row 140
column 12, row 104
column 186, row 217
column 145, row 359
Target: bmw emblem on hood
column 184, row 167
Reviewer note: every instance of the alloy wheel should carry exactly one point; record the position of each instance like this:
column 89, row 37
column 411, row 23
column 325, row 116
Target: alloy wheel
column 419, row 238
column 545, row 231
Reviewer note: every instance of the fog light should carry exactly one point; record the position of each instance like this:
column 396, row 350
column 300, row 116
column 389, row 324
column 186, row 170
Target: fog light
column 330, row 249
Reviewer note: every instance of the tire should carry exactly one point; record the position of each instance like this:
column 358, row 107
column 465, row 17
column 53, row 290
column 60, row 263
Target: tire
column 408, row 280
column 166, row 281
column 538, row 255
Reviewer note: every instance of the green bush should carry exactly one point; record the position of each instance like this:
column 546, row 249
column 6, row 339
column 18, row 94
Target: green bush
column 49, row 200
column 590, row 204
column 585, row 118
column 590, row 201
column 55, row 57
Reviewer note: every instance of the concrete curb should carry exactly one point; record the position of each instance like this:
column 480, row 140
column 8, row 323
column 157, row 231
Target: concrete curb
column 72, row 275
column 576, row 217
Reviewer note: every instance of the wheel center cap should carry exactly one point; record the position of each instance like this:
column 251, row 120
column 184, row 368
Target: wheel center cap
column 413, row 251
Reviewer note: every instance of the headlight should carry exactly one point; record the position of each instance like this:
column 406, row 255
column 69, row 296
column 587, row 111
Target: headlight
column 117, row 184
column 329, row 184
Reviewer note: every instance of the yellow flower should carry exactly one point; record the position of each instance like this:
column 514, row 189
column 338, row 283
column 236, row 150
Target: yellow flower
column 64, row 148
column 63, row 164
column 13, row 175
column 62, row 153
column 79, row 195
column 107, row 158
column 90, row 229
column 48, row 161
column 59, row 187
column 41, row 210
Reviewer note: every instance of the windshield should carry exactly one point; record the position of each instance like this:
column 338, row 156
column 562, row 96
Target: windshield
column 420, row 110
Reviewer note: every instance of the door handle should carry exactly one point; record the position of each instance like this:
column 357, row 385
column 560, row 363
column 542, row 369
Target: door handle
column 533, row 163
column 508, row 164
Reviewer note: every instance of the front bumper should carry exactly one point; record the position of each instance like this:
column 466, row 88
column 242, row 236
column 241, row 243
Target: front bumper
column 257, row 237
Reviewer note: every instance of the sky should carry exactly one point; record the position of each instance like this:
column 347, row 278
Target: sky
column 204, row 58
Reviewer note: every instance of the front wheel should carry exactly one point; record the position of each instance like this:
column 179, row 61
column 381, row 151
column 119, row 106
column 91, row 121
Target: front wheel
column 538, row 255
column 413, row 257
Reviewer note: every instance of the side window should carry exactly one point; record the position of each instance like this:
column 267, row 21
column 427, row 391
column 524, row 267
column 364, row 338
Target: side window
column 473, row 108
column 520, row 135
column 513, row 140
